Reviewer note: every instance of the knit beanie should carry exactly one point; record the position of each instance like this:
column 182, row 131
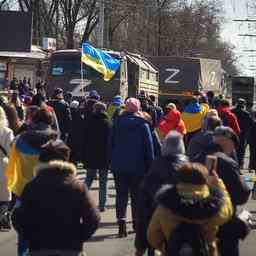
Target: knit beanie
column 132, row 105
column 117, row 100
column 173, row 144
column 94, row 95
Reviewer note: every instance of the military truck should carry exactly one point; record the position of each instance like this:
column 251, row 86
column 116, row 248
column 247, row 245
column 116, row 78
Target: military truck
column 243, row 87
column 182, row 77
column 135, row 74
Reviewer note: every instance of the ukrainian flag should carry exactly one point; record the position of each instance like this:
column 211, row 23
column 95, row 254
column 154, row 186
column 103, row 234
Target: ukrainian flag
column 100, row 61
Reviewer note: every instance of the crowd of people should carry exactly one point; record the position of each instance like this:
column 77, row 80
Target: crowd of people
column 157, row 157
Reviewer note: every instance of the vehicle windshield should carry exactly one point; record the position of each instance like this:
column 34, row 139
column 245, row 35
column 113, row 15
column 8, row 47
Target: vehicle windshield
column 72, row 66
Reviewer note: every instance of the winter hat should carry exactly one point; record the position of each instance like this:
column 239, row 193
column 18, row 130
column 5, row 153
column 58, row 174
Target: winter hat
column 191, row 181
column 117, row 100
column 192, row 173
column 173, row 144
column 99, row 107
column 54, row 150
column 94, row 95
column 74, row 104
column 132, row 105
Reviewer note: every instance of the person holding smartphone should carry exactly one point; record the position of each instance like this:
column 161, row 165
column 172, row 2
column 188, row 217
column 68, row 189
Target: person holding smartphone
column 224, row 146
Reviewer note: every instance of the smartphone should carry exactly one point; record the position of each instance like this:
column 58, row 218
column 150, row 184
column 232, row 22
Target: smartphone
column 211, row 163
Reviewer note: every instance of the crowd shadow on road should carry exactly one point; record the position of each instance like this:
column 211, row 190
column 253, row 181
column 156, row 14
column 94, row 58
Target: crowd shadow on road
column 99, row 238
column 111, row 224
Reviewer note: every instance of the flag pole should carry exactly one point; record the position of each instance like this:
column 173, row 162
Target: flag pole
column 82, row 73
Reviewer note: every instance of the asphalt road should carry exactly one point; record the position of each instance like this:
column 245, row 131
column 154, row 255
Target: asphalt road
column 105, row 241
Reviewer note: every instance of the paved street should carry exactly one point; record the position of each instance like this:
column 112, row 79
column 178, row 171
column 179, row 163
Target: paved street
column 105, row 241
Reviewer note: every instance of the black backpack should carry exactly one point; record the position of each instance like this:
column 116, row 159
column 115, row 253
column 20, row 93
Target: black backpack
column 187, row 240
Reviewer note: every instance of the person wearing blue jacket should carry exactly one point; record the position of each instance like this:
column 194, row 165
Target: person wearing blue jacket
column 132, row 152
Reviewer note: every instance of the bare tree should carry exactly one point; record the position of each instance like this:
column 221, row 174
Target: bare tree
column 77, row 11
column 3, row 4
column 7, row 4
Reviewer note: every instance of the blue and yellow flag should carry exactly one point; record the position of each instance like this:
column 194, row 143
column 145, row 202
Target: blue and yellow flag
column 100, row 61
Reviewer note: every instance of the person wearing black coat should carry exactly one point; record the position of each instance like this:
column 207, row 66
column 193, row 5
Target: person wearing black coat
column 96, row 134
column 161, row 172
column 76, row 132
column 56, row 214
column 62, row 111
column 223, row 146
column 245, row 122
column 252, row 143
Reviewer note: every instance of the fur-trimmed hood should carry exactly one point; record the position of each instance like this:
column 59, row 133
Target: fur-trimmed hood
column 56, row 166
column 192, row 208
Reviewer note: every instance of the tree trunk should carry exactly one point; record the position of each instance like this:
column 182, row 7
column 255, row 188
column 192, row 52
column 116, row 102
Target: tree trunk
column 70, row 39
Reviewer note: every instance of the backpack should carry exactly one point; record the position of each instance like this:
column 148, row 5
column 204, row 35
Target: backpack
column 187, row 240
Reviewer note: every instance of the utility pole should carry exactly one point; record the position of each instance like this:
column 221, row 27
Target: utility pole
column 101, row 24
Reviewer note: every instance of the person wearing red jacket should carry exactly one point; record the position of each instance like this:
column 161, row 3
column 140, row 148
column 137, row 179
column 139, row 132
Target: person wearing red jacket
column 171, row 121
column 228, row 117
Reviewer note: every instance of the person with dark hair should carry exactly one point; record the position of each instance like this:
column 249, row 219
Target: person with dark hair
column 147, row 107
column 30, row 111
column 155, row 136
column 24, row 155
column 88, row 107
column 54, row 150
column 245, row 123
column 196, row 197
column 11, row 114
column 62, row 111
column 161, row 172
column 65, row 196
column 40, row 101
column 224, row 144
column 201, row 140
column 95, row 156
column 15, row 100
column 14, row 84
column 68, row 97
column 159, row 110
column 228, row 118
column 210, row 95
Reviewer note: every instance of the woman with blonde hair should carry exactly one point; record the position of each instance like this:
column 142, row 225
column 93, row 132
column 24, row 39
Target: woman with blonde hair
column 6, row 137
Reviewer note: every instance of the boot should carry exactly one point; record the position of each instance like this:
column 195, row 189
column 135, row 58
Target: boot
column 5, row 223
column 122, row 229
